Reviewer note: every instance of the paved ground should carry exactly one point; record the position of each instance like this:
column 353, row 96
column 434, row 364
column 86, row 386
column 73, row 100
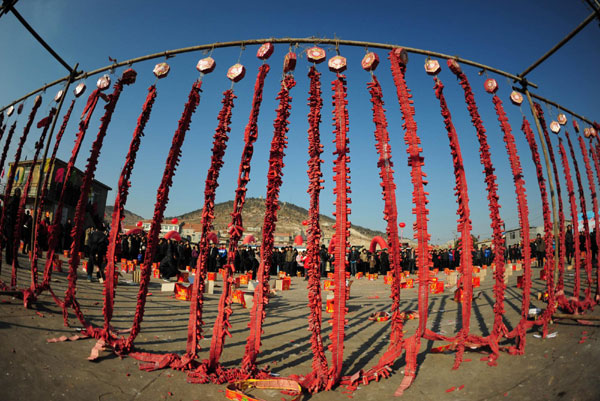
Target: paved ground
column 560, row 368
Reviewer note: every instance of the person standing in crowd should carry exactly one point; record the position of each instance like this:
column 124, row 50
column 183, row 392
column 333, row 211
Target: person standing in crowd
column 98, row 243
column 353, row 259
column 168, row 264
column 324, row 256
column 67, row 235
column 10, row 212
column 364, row 261
column 289, row 261
column 540, row 250
column 384, row 261
column 569, row 244
column 26, row 232
column 372, row 263
column 300, row 260
column 213, row 254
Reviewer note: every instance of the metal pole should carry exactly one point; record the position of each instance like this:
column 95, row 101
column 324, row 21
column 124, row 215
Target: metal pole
column 6, row 6
column 559, row 45
column 43, row 160
column 550, row 179
column 558, row 106
column 312, row 40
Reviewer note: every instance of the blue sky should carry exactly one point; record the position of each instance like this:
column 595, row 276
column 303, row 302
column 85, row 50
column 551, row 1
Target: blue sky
column 509, row 35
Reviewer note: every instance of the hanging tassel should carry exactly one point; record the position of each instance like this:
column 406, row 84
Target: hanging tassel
column 261, row 299
column 596, row 161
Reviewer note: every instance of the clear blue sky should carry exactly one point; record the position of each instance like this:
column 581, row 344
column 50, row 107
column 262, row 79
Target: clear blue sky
column 509, row 35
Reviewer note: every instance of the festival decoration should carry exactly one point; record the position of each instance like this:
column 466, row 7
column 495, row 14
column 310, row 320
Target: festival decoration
column 432, row 67
column 490, row 85
column 79, row 89
column 516, row 98
column 103, row 82
column 555, row 127
column 206, row 65
column 575, row 126
column 370, row 61
column 161, row 70
column 139, row 223
column 10, row 111
column 236, row 72
column 59, row 95
column 174, row 220
column 316, row 55
column 561, row 118
column 265, row 51
column 337, row 64
column 289, row 62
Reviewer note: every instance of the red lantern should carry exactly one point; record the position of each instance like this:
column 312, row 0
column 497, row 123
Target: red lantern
column 79, row 89
column 161, row 70
column 562, row 119
column 305, row 222
column 236, row 72
column 174, row 220
column 103, row 82
column 139, row 224
column 315, row 55
column 370, row 61
column 402, row 224
column 490, row 85
column 265, row 51
column 206, row 65
column 555, row 127
column 432, row 67
column 516, row 98
column 289, row 62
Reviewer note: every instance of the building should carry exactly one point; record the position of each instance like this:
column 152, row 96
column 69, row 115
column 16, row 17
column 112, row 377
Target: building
column 165, row 227
column 96, row 200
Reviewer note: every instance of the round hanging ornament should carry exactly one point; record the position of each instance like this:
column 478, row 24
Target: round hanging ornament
column 174, row 220
column 289, row 62
column 402, row 224
column 337, row 64
column 236, row 72
column 402, row 55
column 562, row 119
column 370, row 61
column 59, row 95
column 516, row 98
column 490, row 85
column 555, row 127
column 265, row 51
column 103, row 82
column 316, row 55
column 79, row 89
column 586, row 132
column 206, row 65
column 140, row 224
column 454, row 66
column 161, row 70
column 432, row 67
column 10, row 111
column 593, row 132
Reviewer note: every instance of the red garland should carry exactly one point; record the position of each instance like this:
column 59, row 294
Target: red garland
column 464, row 224
column 548, row 237
column 261, row 293
column 208, row 214
column 236, row 228
column 316, row 380
column 588, row 256
column 496, row 221
column 128, row 78
column 572, row 305
column 13, row 170
column 342, row 227
column 29, row 295
column 515, row 164
column 11, row 131
column 54, row 232
column 21, row 209
column 596, row 217
column 120, row 201
column 162, row 198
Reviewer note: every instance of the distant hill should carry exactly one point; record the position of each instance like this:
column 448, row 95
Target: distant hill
column 130, row 218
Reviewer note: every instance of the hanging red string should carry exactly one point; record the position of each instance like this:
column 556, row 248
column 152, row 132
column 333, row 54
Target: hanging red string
column 127, row 78
column 316, row 380
column 586, row 234
column 11, row 132
column 261, row 293
column 54, row 231
column 520, row 330
column 45, row 123
column 236, row 229
column 208, row 214
column 596, row 217
column 120, row 201
column 13, row 170
column 29, row 294
column 162, row 198
column 570, row 305
column 548, row 237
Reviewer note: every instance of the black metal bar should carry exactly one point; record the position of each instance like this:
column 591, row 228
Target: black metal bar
column 559, row 44
column 39, row 38
column 6, row 6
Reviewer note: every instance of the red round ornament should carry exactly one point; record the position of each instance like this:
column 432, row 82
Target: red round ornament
column 289, row 62
column 593, row 132
column 103, row 82
column 337, row 64
column 206, row 65
column 402, row 224
column 139, row 224
column 490, row 85
column 555, row 127
column 236, row 72
column 432, row 67
column 516, row 98
column 59, row 95
column 586, row 132
column 79, row 89
column 265, row 51
column 562, row 119
column 161, row 70
column 454, row 66
column 370, row 61
column 316, row 55
column 174, row 220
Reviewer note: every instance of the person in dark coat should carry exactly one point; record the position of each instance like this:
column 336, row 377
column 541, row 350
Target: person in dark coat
column 384, row 261
column 324, row 255
column 569, row 244
column 353, row 259
column 12, row 208
column 26, row 232
column 98, row 242
column 169, row 263
column 67, row 235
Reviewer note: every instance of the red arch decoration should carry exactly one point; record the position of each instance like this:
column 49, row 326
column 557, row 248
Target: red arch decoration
column 377, row 240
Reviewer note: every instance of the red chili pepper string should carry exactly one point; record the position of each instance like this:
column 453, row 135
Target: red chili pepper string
column 120, row 201
column 11, row 175
column 596, row 217
column 496, row 221
column 29, row 295
column 588, row 257
column 162, row 197
column 464, row 223
column 54, row 231
column 208, row 215
column 128, row 78
column 342, row 227
column 549, row 267
column 260, row 301
column 11, row 132
column 222, row 325
column 569, row 305
column 21, row 209
column 515, row 164
column 316, row 380
column 548, row 235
